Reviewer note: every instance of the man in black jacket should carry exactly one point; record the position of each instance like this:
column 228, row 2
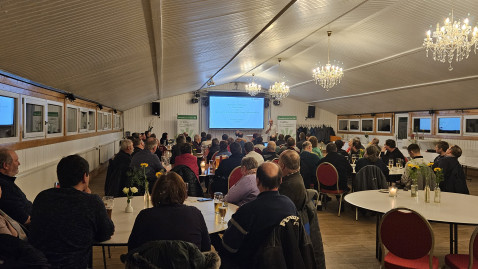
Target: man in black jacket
column 454, row 177
column 340, row 163
column 116, row 178
column 391, row 152
column 308, row 165
column 225, row 168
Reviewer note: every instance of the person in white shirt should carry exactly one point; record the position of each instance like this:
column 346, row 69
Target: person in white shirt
column 249, row 147
column 417, row 159
column 271, row 129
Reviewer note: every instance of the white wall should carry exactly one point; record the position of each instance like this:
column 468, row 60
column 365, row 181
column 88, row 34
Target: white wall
column 38, row 165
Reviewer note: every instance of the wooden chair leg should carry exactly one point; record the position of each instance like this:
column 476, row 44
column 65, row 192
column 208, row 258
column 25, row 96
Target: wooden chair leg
column 356, row 213
column 340, row 204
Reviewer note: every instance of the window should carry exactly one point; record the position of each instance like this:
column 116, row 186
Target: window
column 449, row 125
column 367, row 125
column 422, row 125
column 91, row 120
column 343, row 125
column 117, row 122
column 83, row 120
column 8, row 119
column 72, row 120
column 54, row 119
column 384, row 125
column 471, row 125
column 105, row 121
column 354, row 125
column 34, row 117
column 100, row 121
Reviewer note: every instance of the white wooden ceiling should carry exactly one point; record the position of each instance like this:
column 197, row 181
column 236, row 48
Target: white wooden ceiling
column 125, row 53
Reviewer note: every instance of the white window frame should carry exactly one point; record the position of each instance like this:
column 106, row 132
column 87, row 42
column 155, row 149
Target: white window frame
column 17, row 113
column 99, row 127
column 107, row 123
column 438, row 125
column 413, row 124
column 469, row 117
column 92, row 120
column 38, row 102
column 117, row 122
column 77, row 120
column 384, row 132
column 361, row 125
column 80, row 113
column 62, row 105
column 345, row 125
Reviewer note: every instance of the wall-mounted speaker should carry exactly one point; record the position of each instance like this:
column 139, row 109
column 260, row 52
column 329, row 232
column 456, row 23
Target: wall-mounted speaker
column 205, row 101
column 311, row 112
column 195, row 100
column 276, row 102
column 266, row 102
column 155, row 108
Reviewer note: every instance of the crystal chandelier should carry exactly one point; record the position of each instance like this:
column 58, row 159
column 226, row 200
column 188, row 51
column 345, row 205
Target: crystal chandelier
column 329, row 75
column 450, row 38
column 253, row 88
column 279, row 90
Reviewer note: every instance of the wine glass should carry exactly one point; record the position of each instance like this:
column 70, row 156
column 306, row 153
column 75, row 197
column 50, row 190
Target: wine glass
column 398, row 162
column 354, row 157
column 222, row 213
column 390, row 164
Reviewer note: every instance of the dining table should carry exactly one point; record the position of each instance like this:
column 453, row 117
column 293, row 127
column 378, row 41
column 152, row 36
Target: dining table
column 454, row 208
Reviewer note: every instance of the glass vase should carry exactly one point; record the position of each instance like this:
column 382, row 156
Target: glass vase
column 437, row 195
column 129, row 208
column 427, row 194
column 414, row 190
column 147, row 196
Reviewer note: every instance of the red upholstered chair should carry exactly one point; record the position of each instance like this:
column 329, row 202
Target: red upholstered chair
column 409, row 239
column 234, row 177
column 214, row 155
column 456, row 261
column 327, row 175
column 276, row 160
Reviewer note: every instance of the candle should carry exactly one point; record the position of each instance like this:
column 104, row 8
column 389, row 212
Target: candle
column 203, row 164
column 392, row 191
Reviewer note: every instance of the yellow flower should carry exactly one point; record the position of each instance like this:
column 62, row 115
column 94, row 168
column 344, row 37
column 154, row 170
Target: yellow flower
column 437, row 169
column 430, row 164
column 144, row 165
column 134, row 190
column 410, row 165
column 125, row 190
column 158, row 174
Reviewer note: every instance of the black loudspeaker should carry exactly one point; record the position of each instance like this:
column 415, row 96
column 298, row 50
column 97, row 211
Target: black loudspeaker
column 205, row 101
column 266, row 102
column 195, row 100
column 276, row 102
column 311, row 112
column 155, row 108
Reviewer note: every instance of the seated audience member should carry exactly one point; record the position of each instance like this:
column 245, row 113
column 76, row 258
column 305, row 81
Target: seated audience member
column 223, row 149
column 14, row 202
column 135, row 135
column 440, row 148
column 308, row 165
column 249, row 147
column 259, row 144
column 203, row 136
column 147, row 156
column 186, row 158
column 224, row 137
column 164, row 139
column 391, row 152
column 116, row 177
column 208, row 140
column 188, row 139
column 375, row 142
column 289, row 145
column 301, row 140
column 176, row 149
column 169, row 218
column 252, row 223
column 225, row 168
column 197, row 144
column 280, row 140
column 213, row 149
column 292, row 184
column 245, row 190
column 10, row 226
column 17, row 253
column 371, row 157
column 240, row 139
column 340, row 163
column 138, row 145
column 273, row 138
column 66, row 221
column 417, row 159
column 454, row 177
column 340, row 150
column 357, row 149
column 269, row 152
column 315, row 147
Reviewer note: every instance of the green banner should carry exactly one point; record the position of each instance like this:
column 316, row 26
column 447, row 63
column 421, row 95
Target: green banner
column 187, row 117
column 286, row 117
column 188, row 124
column 37, row 113
column 286, row 125
column 53, row 114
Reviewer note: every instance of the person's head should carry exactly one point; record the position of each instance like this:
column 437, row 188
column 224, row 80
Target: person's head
column 390, row 144
column 441, row 147
column 235, row 148
column 356, row 145
column 314, row 141
column 147, row 134
column 135, row 135
column 230, row 140
column 164, row 136
column 126, row 145
column 197, row 138
column 375, row 141
column 290, row 142
column 73, row 171
column 248, row 166
column 208, row 137
column 302, row 136
column 223, row 145
column 331, row 147
column 240, row 134
column 286, row 138
column 281, row 137
column 339, row 144
column 138, row 143
column 307, row 146
column 169, row 189
column 259, row 140
column 372, row 153
column 273, row 138
column 271, row 147
column 225, row 137
column 271, row 122
column 268, row 176
column 254, row 136
column 203, row 134
column 8, row 162
column 188, row 139
column 185, row 148
column 180, row 139
column 413, row 150
column 153, row 135
column 454, row 151
column 151, row 144
column 215, row 142
column 289, row 161
column 142, row 136
column 248, row 147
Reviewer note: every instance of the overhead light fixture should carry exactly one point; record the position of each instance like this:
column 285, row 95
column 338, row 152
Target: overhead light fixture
column 329, row 75
column 70, row 97
column 279, row 90
column 452, row 37
column 210, row 82
column 253, row 88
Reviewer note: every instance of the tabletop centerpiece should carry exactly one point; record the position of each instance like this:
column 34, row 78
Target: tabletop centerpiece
column 438, row 178
column 138, row 178
column 129, row 191
column 413, row 171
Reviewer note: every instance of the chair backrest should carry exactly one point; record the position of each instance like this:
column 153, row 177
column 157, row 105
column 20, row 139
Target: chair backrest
column 276, row 160
column 214, row 155
column 327, row 175
column 234, row 177
column 188, row 176
column 413, row 240
column 370, row 177
column 473, row 247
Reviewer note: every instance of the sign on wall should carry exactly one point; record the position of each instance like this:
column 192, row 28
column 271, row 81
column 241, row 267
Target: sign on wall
column 188, row 124
column 287, row 125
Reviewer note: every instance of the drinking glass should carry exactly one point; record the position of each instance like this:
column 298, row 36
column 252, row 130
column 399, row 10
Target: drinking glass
column 109, row 202
column 222, row 213
column 218, row 160
column 354, row 157
column 218, row 198
column 390, row 164
column 398, row 162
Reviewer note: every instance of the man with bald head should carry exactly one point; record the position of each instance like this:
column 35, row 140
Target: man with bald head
column 292, row 184
column 250, row 226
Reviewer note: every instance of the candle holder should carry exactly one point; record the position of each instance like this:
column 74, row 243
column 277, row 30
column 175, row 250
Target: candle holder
column 392, row 191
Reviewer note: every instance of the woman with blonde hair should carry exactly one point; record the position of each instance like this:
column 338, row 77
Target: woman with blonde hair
column 315, row 146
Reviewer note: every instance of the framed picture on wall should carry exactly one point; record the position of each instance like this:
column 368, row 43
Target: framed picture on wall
column 343, row 125
column 354, row 125
column 367, row 125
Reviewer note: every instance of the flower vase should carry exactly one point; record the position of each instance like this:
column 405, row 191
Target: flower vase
column 129, row 208
column 437, row 195
column 414, row 190
column 147, row 196
column 427, row 194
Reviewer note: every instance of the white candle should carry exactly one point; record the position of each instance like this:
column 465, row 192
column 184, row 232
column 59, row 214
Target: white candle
column 392, row 191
